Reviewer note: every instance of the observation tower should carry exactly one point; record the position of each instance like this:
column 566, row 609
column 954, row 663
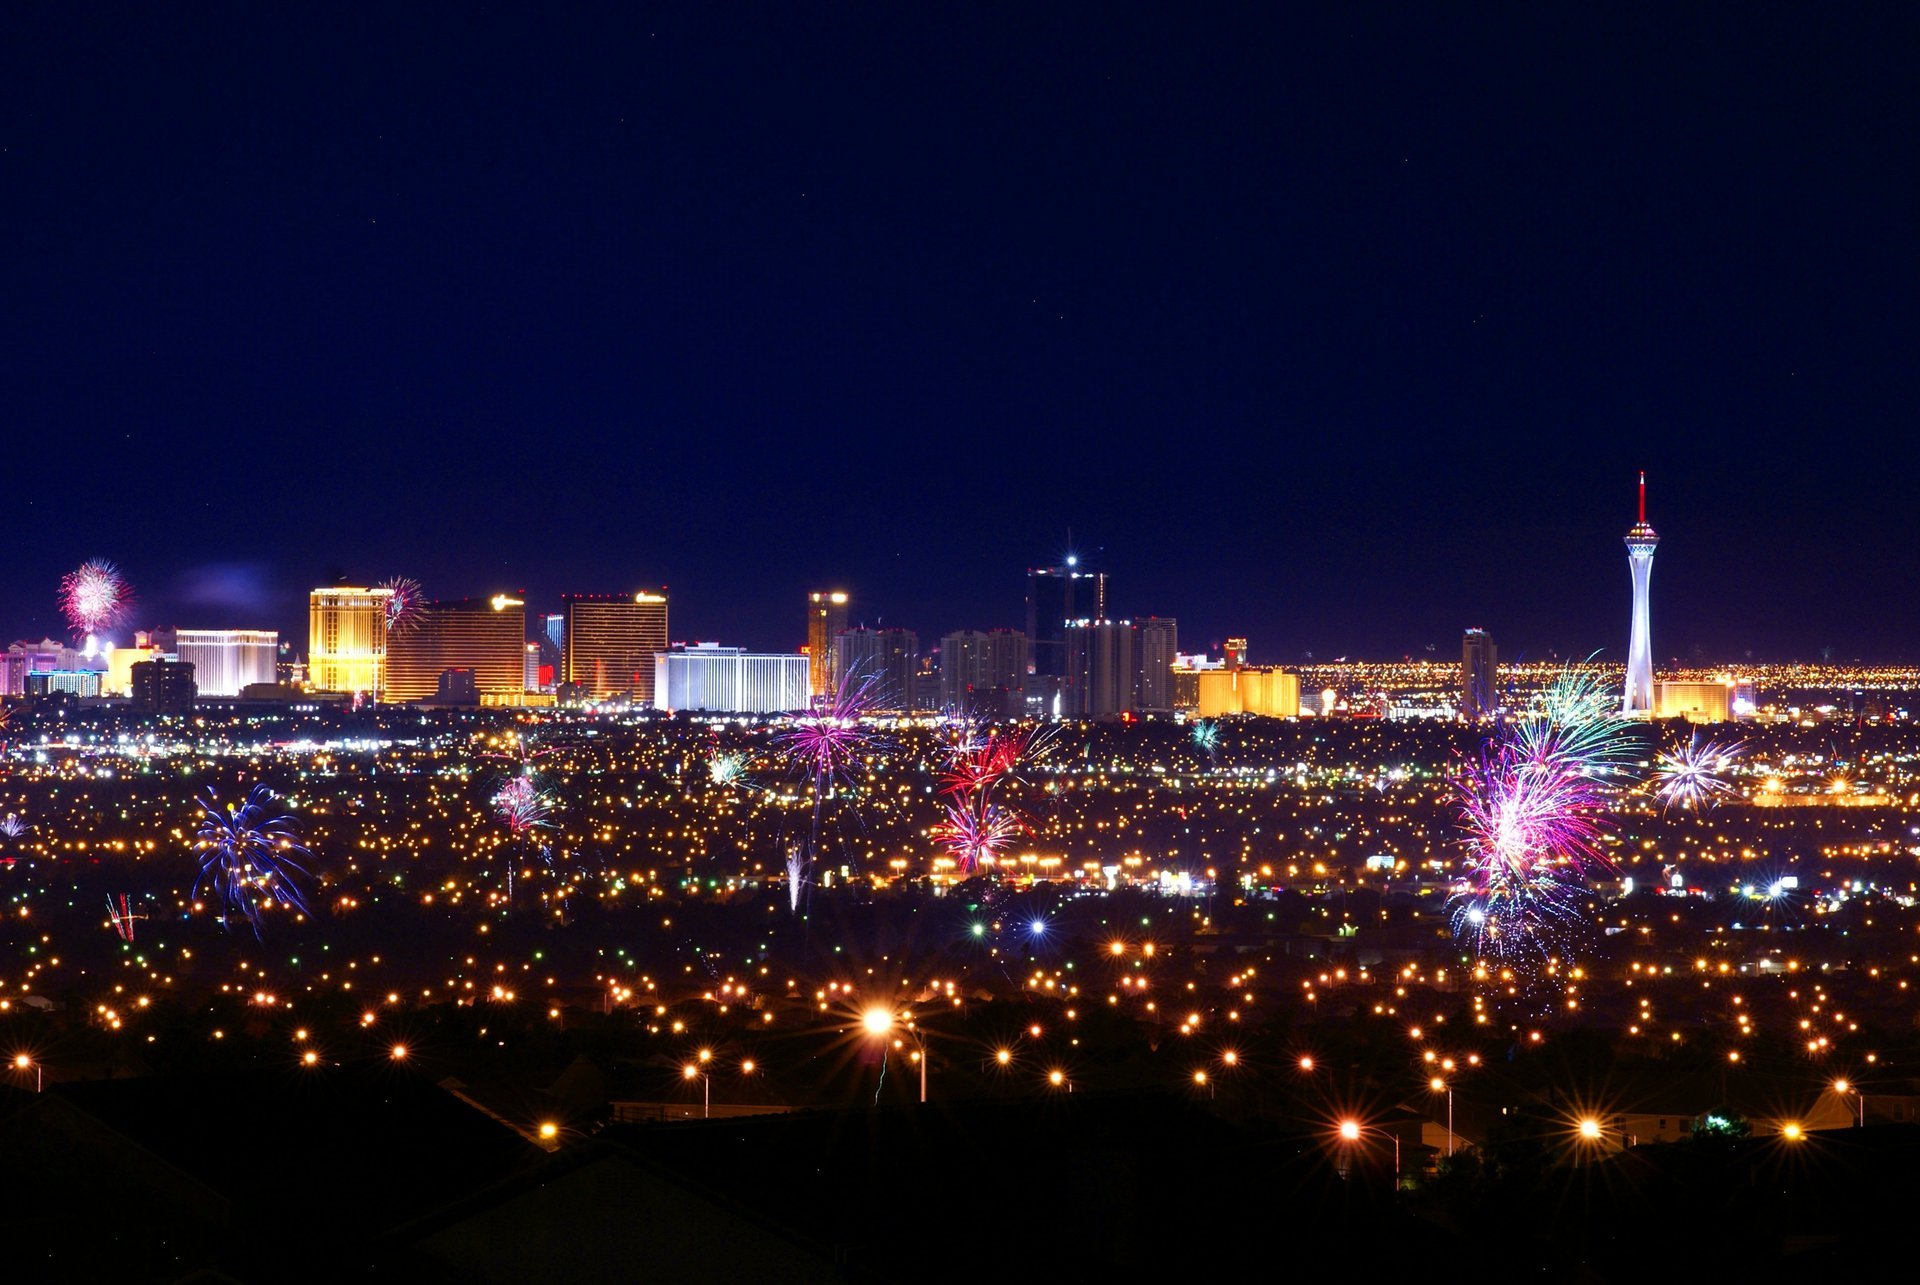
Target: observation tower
column 1641, row 542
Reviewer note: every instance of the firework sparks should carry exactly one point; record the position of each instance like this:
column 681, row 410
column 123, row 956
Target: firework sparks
column 727, row 769
column 12, row 826
column 1532, row 816
column 1692, row 776
column 406, row 605
column 974, row 835
column 522, row 806
column 1206, row 737
column 829, row 738
column 796, row 878
column 247, row 852
column 94, row 597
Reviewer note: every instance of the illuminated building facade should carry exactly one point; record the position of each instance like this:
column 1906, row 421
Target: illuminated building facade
column 1100, row 668
column 118, row 678
column 826, row 621
column 973, row 664
column 74, row 682
column 487, row 636
column 610, row 641
column 1248, row 689
column 1697, row 702
column 226, row 660
column 729, row 680
column 347, row 639
column 891, row 657
column 1479, row 675
column 1641, row 542
column 1158, row 643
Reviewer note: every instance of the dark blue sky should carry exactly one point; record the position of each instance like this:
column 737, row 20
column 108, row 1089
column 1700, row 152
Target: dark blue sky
column 1342, row 328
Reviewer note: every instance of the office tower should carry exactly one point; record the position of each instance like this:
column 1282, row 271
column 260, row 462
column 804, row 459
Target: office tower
column 1641, row 541
column 1100, row 669
column 485, row 635
column 972, row 662
column 226, row 660
column 729, row 680
column 1056, row 595
column 826, row 621
column 889, row 657
column 611, row 639
column 530, row 677
column 347, row 639
column 1479, row 675
column 163, row 687
column 1158, row 642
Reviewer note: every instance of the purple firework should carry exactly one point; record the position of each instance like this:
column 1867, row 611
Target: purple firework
column 976, row 834
column 1692, row 775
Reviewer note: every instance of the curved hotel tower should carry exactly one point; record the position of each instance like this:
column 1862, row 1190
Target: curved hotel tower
column 1641, row 542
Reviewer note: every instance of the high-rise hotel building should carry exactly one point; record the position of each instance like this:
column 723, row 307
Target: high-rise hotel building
column 485, row 635
column 611, row 639
column 826, row 621
column 226, row 660
column 347, row 639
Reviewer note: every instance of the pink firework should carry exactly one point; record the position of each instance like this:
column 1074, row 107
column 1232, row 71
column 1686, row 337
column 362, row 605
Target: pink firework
column 521, row 806
column 405, row 605
column 94, row 597
column 829, row 738
column 976, row 834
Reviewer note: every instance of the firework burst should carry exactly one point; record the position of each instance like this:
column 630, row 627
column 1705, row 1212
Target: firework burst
column 1693, row 775
column 522, row 806
column 825, row 742
column 977, row 834
column 12, row 826
column 406, row 604
column 94, row 597
column 1206, row 737
column 248, row 854
column 727, row 769
column 796, row 878
column 1531, row 810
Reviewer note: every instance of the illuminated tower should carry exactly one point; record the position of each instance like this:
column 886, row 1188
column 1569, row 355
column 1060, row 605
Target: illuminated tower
column 347, row 639
column 826, row 621
column 1641, row 542
column 611, row 641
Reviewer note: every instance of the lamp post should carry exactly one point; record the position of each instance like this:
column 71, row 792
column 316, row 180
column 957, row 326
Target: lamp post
column 1439, row 1085
column 880, row 1023
column 1350, row 1131
column 21, row 1062
column 1843, row 1087
column 691, row 1072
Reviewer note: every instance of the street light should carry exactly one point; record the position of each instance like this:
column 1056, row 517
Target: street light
column 1843, row 1087
column 1793, row 1132
column 880, row 1022
column 1200, row 1080
column 1350, row 1131
column 1439, row 1085
column 21, row 1062
column 693, row 1071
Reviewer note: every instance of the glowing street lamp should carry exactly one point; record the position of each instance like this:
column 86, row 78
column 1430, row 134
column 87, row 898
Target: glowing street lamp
column 695, row 1071
column 1844, row 1087
column 1350, row 1131
column 1439, row 1085
column 22, row 1062
column 1200, row 1081
column 1793, row 1132
column 880, row 1022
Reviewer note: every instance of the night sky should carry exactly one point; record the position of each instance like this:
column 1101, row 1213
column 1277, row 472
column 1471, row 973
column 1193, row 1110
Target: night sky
column 1340, row 328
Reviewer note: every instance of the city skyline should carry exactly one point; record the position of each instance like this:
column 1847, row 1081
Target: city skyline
column 1342, row 344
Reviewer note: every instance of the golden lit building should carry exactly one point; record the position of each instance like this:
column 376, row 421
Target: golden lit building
column 347, row 639
column 118, row 680
column 826, row 621
column 485, row 635
column 1269, row 693
column 1697, row 702
column 611, row 639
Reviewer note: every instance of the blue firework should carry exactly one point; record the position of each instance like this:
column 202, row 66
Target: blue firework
column 249, row 854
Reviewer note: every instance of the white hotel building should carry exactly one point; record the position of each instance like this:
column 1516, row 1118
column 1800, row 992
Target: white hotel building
column 709, row 678
column 226, row 660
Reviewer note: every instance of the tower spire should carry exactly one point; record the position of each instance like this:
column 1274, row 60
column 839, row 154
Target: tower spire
column 1643, row 497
